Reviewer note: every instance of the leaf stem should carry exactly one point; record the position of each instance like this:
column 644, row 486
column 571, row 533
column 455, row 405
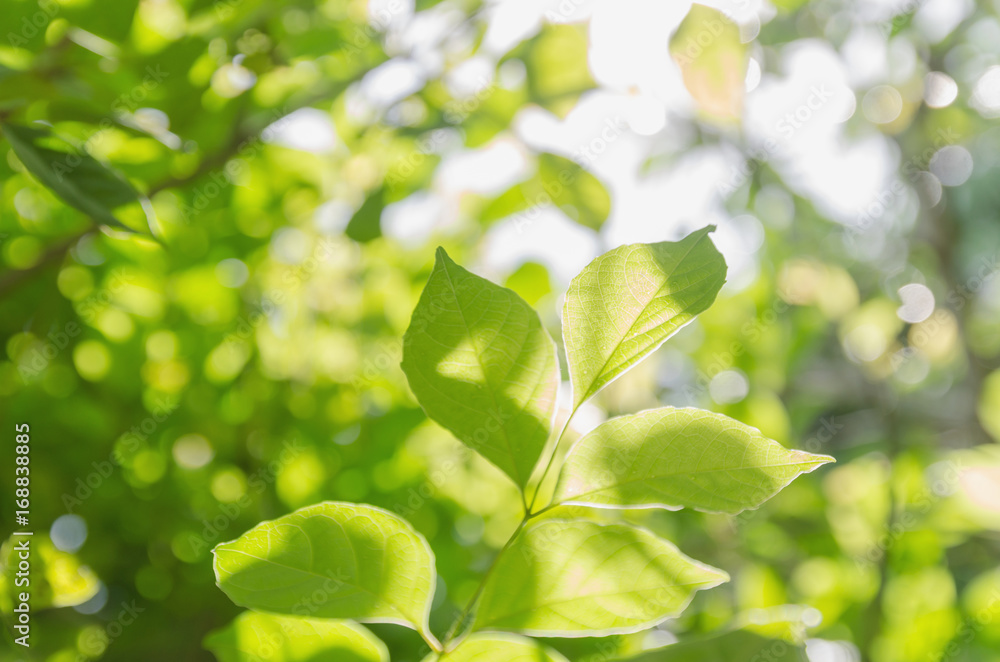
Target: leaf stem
column 456, row 627
column 548, row 465
column 431, row 641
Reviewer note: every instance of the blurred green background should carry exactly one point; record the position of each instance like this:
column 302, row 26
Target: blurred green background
column 236, row 356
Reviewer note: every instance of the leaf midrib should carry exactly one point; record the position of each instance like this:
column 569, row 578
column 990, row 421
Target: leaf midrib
column 486, row 381
column 590, row 392
column 94, row 208
column 323, row 577
column 691, row 473
column 545, row 605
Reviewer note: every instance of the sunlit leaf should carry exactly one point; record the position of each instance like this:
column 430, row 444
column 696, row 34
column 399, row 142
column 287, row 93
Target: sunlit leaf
column 581, row 578
column 679, row 458
column 489, row 112
column 57, row 578
column 738, row 645
column 332, row 560
column 989, row 405
column 713, row 62
column 499, row 648
column 483, row 366
column 73, row 175
column 366, row 223
column 627, row 302
column 559, row 182
column 557, row 66
column 531, row 282
column 256, row 636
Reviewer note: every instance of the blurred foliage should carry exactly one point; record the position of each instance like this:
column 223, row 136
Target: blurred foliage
column 235, row 355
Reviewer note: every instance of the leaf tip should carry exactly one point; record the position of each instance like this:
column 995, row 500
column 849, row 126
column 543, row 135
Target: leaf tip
column 719, row 577
column 813, row 459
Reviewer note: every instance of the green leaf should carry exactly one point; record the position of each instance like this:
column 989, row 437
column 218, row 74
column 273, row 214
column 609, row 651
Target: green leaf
column 76, row 177
column 627, row 302
column 560, row 182
column 366, row 223
column 57, row 578
column 332, row 560
column 557, row 66
column 255, row 636
column 713, row 61
column 483, row 366
column 679, row 458
column 531, row 282
column 581, row 578
column 487, row 114
column 739, row 645
column 989, row 405
column 579, row 194
column 498, row 648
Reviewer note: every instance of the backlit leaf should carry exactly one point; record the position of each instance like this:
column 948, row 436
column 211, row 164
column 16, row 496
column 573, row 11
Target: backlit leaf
column 580, row 578
column 627, row 302
column 73, row 175
column 57, row 578
column 737, row 645
column 481, row 365
column 713, row 61
column 332, row 560
column 256, row 636
column 679, row 458
column 498, row 648
column 366, row 223
column 557, row 66
column 559, row 182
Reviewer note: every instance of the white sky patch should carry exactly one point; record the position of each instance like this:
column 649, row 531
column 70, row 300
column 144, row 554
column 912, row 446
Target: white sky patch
column 490, row 170
column 952, row 165
column 392, row 81
column 739, row 239
column 471, row 76
column 940, row 89
column 594, row 133
column 548, row 238
column 986, row 94
column 306, row 129
column 937, row 18
column 567, row 11
column 384, row 14
column 904, row 62
column 414, row 219
column 432, row 33
column 821, row 650
column 332, row 217
column 671, row 202
column 589, row 415
column 754, row 74
column 865, row 53
column 510, row 23
column 801, row 117
column 629, row 48
column 918, row 303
